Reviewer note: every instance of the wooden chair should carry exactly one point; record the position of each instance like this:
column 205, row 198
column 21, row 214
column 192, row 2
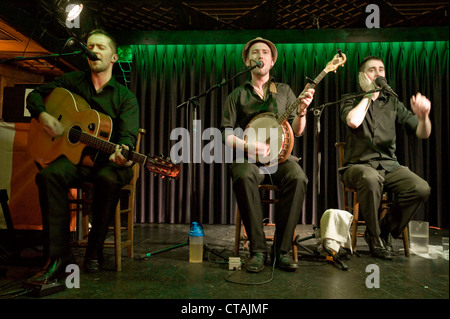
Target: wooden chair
column 353, row 208
column 271, row 190
column 82, row 205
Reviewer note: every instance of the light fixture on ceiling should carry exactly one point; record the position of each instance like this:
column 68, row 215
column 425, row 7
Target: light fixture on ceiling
column 74, row 11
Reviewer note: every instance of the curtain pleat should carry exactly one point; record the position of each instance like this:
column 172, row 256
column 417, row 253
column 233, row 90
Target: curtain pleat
column 166, row 76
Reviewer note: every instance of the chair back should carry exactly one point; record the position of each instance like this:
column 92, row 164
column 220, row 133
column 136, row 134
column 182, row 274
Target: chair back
column 340, row 146
column 137, row 167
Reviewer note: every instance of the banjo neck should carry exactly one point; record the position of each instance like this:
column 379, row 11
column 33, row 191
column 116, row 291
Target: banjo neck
column 338, row 60
column 297, row 102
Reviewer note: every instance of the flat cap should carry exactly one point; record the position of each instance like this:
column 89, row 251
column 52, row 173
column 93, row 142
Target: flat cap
column 259, row 39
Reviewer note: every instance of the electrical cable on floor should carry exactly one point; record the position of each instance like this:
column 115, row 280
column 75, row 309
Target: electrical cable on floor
column 15, row 292
column 225, row 261
column 217, row 253
column 228, row 279
column 146, row 255
column 272, row 270
column 10, row 284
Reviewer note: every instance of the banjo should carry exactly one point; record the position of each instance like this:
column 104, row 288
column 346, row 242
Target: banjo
column 275, row 131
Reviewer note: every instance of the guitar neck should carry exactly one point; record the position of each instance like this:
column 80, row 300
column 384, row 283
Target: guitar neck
column 108, row 147
column 297, row 102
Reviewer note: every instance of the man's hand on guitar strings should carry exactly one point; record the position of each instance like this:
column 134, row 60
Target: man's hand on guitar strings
column 118, row 158
column 50, row 124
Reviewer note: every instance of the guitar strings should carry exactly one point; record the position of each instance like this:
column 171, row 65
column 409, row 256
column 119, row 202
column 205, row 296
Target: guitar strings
column 159, row 165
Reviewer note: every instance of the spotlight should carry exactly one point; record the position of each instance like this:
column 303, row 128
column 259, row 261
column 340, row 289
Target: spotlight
column 74, row 11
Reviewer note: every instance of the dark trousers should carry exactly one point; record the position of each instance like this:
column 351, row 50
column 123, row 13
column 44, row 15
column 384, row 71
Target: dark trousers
column 54, row 182
column 291, row 180
column 409, row 190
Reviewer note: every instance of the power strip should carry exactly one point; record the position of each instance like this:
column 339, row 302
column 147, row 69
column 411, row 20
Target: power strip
column 234, row 263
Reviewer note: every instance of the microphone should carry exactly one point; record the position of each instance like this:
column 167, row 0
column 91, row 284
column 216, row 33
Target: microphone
column 258, row 64
column 382, row 83
column 90, row 54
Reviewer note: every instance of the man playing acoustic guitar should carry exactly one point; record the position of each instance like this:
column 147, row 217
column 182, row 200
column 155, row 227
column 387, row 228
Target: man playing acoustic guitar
column 109, row 172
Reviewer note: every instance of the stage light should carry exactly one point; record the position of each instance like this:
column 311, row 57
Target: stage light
column 74, row 11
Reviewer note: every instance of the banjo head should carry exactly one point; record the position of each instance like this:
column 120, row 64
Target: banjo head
column 264, row 128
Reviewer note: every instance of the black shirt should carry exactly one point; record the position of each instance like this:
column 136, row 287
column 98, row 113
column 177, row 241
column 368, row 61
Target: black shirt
column 114, row 100
column 374, row 141
column 244, row 103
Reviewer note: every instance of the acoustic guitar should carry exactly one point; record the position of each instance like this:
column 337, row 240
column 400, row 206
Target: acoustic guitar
column 86, row 132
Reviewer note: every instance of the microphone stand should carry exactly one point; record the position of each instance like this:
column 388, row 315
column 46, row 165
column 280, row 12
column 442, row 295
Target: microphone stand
column 193, row 102
column 38, row 57
column 317, row 111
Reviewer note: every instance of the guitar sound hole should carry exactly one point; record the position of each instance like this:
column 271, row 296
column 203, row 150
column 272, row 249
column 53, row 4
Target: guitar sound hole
column 74, row 134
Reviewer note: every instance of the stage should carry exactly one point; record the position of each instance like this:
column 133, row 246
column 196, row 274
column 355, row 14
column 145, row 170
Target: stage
column 168, row 275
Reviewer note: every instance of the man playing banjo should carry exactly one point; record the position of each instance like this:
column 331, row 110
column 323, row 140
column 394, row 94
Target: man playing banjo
column 262, row 94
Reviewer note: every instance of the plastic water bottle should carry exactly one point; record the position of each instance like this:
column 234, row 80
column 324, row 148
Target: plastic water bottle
column 196, row 243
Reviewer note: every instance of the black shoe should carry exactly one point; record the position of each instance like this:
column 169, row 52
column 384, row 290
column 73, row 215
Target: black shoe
column 93, row 260
column 93, row 265
column 286, row 262
column 387, row 241
column 256, row 262
column 377, row 247
column 54, row 269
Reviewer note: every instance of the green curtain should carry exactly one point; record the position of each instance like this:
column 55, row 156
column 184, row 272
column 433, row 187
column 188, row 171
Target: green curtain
column 165, row 76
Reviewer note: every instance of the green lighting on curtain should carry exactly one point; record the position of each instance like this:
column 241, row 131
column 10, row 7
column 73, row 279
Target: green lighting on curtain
column 290, row 52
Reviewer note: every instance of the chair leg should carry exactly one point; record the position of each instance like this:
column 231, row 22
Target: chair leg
column 355, row 226
column 237, row 236
column 130, row 233
column 244, row 237
column 118, row 239
column 406, row 241
column 294, row 247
